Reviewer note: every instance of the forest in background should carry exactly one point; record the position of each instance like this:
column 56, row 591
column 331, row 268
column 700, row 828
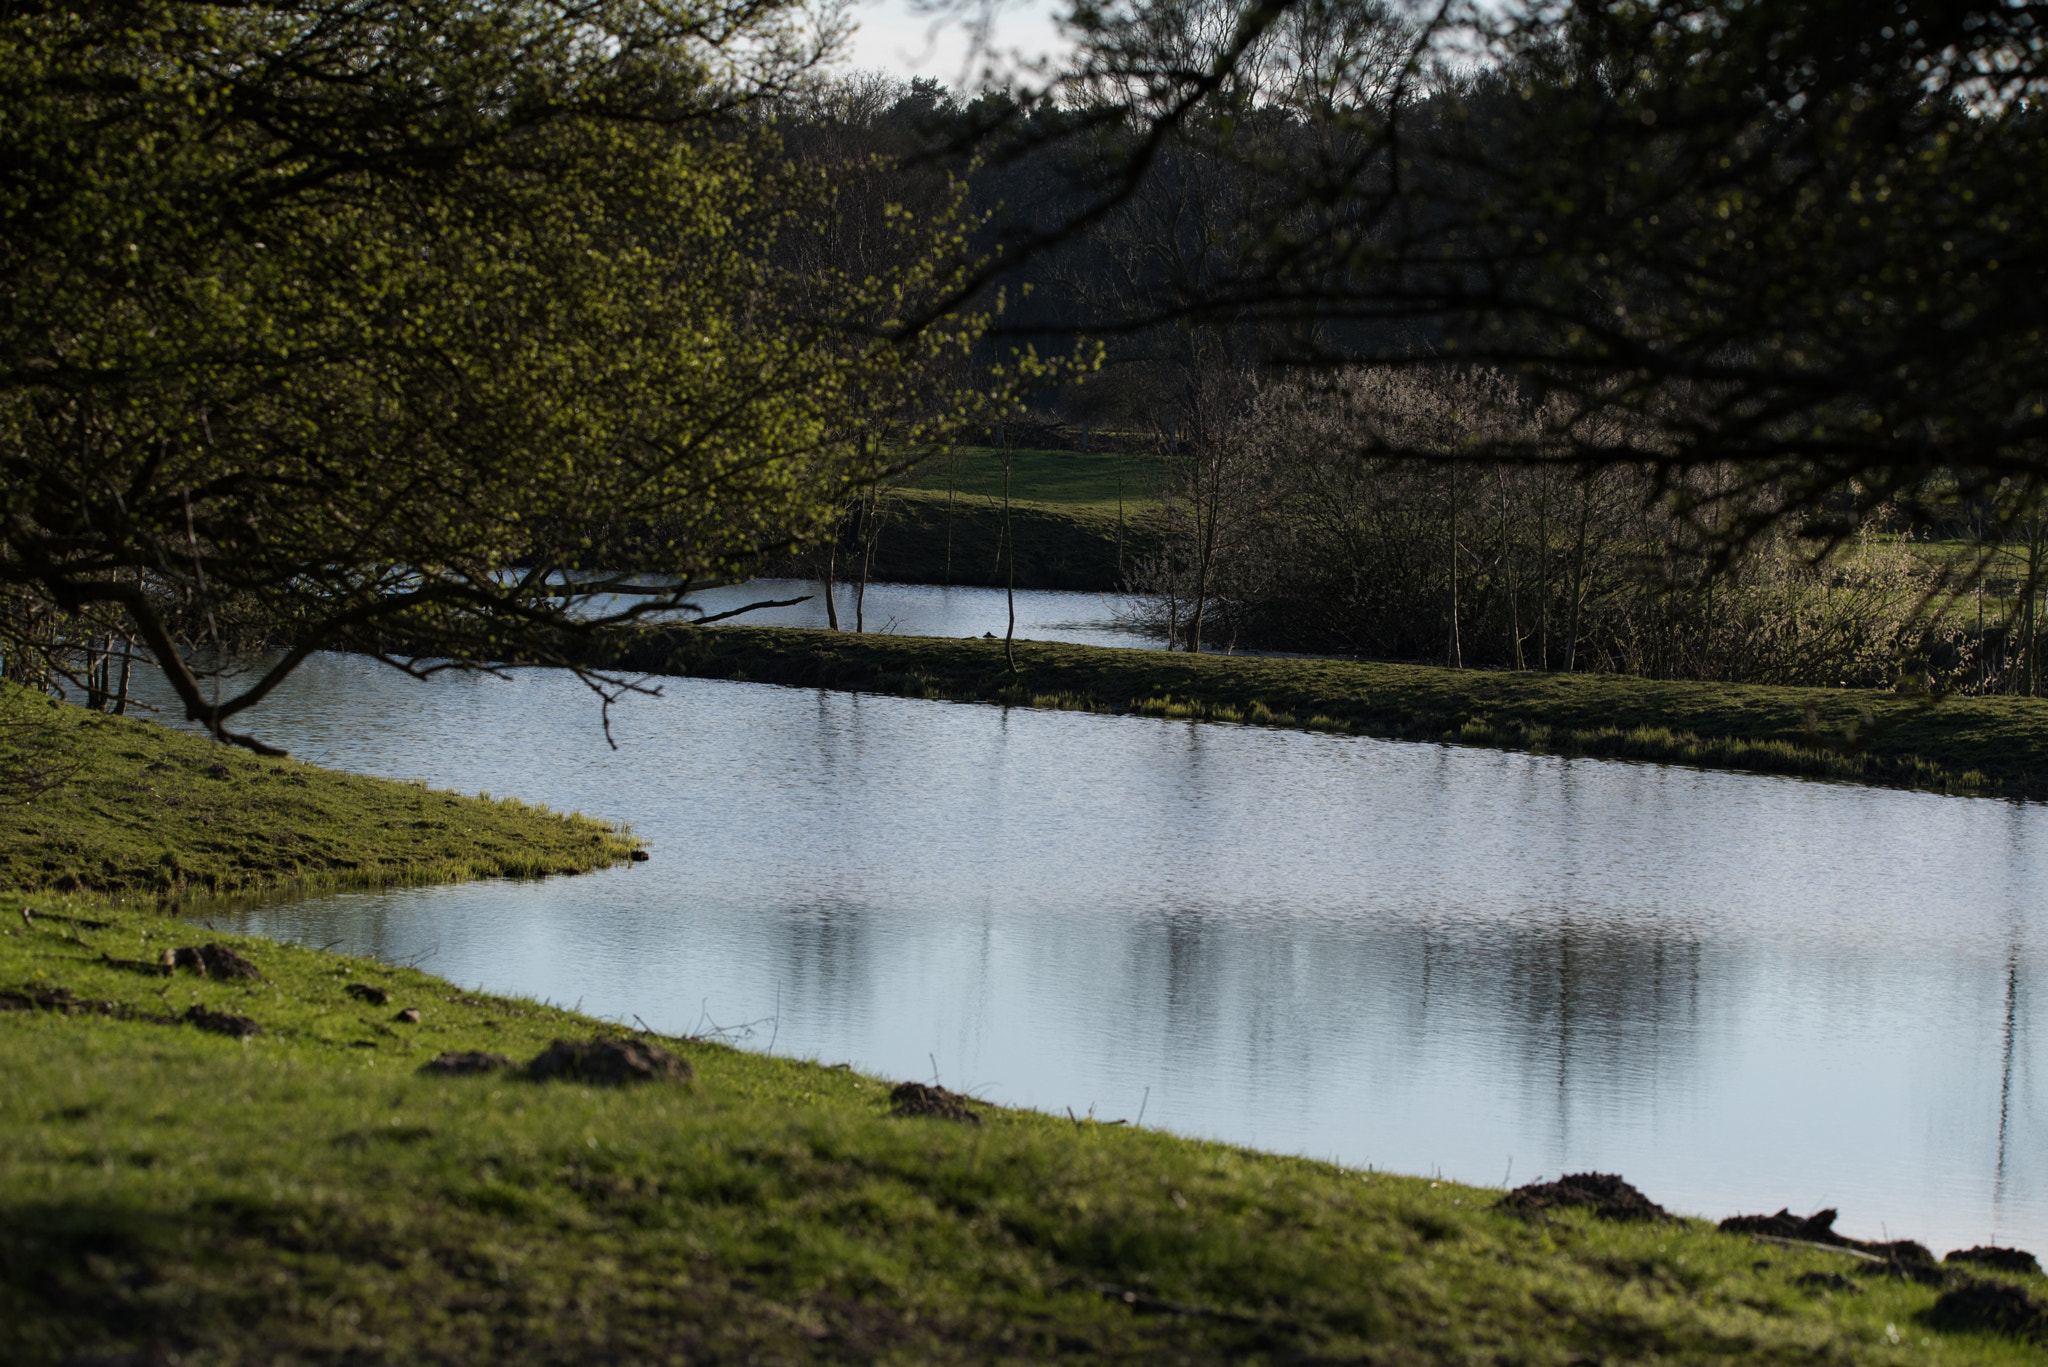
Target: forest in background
column 1691, row 338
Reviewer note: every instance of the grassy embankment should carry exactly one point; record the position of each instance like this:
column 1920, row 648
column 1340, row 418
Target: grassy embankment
column 150, row 810
column 1078, row 520
column 305, row 1195
column 1976, row 745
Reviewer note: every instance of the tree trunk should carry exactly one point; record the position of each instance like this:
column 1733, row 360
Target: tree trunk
column 1571, row 647
column 1456, row 653
column 1543, row 573
column 1205, row 551
column 867, row 558
column 1507, row 559
column 1010, row 588
column 952, row 478
column 831, row 564
column 1119, row 519
column 121, row 691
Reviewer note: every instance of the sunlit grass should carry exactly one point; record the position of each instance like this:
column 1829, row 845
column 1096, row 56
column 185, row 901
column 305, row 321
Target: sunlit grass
column 1061, row 479
column 149, row 810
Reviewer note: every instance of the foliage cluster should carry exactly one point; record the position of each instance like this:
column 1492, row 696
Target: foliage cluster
column 363, row 323
column 1789, row 239
column 304, row 1195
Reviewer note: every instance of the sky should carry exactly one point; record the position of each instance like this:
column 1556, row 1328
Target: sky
column 904, row 38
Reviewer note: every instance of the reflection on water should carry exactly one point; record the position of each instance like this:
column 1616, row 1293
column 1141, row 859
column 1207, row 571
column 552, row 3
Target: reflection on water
column 929, row 610
column 1741, row 992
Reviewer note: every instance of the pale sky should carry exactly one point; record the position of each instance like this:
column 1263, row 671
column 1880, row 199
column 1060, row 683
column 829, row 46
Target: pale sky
column 904, row 38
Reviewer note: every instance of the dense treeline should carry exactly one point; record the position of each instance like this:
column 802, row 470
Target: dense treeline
column 417, row 331
column 1666, row 374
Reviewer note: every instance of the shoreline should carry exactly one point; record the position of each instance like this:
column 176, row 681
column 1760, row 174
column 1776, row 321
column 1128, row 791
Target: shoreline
column 251, row 1164
column 141, row 809
column 1992, row 747
column 224, row 1148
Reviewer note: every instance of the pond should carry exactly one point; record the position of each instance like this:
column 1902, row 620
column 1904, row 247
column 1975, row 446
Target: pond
column 1740, row 992
column 1095, row 619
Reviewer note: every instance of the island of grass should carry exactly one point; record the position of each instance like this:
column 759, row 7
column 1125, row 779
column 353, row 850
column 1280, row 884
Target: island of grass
column 219, row 1149
column 1983, row 745
column 130, row 808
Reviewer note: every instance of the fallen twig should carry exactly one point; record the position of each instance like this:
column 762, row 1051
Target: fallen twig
column 1824, row 1248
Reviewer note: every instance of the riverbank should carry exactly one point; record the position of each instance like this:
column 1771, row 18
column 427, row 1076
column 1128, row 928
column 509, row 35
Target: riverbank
column 173, row 1183
column 1989, row 746
column 137, row 809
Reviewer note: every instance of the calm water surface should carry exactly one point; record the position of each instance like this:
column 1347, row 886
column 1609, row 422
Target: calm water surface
column 1740, row 992
column 1095, row 619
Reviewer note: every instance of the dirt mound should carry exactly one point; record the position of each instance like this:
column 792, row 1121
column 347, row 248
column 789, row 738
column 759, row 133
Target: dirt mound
column 466, row 1062
column 1997, row 1259
column 914, row 1098
column 210, row 961
column 1925, row 1270
column 1998, row 1306
column 222, row 1023
column 1904, row 1251
column 1819, row 1228
column 149, row 968
column 1826, row 1281
column 1603, row 1193
column 52, row 997
column 40, row 998
column 608, row 1062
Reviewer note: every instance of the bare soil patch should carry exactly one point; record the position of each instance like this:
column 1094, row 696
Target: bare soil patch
column 916, row 1099
column 1997, row 1306
column 1997, row 1259
column 1603, row 1193
column 608, row 1062
column 222, row 1023
column 468, row 1062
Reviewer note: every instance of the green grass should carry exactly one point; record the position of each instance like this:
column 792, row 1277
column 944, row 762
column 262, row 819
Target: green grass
column 147, row 810
column 1068, row 479
column 1973, row 745
column 1069, row 528
column 306, row 1197
column 1059, row 546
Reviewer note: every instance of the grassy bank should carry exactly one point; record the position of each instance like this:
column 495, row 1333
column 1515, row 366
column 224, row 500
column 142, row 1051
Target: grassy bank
column 1993, row 746
column 306, row 1196
column 143, row 809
